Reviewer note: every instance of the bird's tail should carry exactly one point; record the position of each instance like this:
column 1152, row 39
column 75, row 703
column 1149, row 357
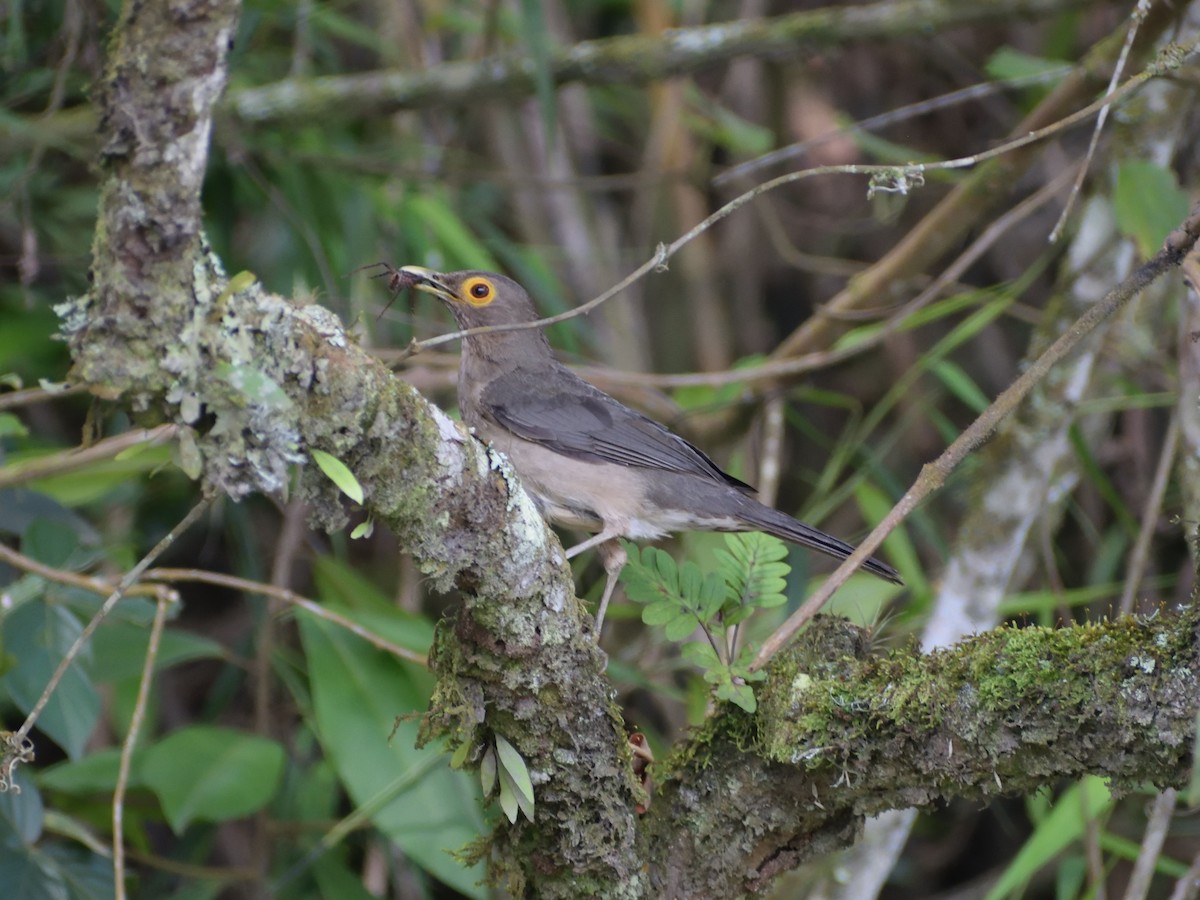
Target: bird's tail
column 781, row 525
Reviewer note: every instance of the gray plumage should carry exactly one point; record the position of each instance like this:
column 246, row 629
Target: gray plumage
column 588, row 460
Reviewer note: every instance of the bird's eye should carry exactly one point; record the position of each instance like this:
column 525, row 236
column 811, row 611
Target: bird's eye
column 479, row 291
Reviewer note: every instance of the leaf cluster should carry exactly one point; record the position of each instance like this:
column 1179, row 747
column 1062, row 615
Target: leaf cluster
column 681, row 599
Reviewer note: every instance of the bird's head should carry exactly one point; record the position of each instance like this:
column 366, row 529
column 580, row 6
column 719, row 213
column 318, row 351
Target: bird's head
column 476, row 298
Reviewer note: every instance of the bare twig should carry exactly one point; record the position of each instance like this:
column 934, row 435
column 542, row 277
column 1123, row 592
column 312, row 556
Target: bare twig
column 123, row 586
column 61, row 576
column 1138, row 16
column 257, row 587
column 933, row 475
column 900, row 179
column 130, row 743
column 72, row 460
column 1141, row 547
column 39, row 395
column 1152, row 844
column 891, row 117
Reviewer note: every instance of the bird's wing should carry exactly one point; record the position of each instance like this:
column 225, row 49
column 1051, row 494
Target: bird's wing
column 561, row 411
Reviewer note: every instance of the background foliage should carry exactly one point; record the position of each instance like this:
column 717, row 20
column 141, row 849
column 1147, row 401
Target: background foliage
column 278, row 752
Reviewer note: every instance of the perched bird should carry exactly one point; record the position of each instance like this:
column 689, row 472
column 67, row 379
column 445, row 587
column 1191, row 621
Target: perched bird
column 590, row 462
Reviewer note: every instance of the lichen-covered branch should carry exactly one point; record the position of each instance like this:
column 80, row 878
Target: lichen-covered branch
column 841, row 734
column 254, row 381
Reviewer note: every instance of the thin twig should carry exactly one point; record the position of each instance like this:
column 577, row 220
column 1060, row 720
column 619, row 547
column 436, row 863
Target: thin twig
column 1152, row 843
column 71, row 579
column 127, row 746
column 72, row 460
column 1139, row 15
column 891, row 117
column 900, row 179
column 257, row 587
column 130, row 577
column 776, row 369
column 1141, row 547
column 1188, row 887
column 933, row 475
column 39, row 395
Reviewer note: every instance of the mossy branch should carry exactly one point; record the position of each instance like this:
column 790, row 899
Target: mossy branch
column 841, row 734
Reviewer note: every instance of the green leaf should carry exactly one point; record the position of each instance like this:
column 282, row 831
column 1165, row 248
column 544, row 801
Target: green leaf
column 510, row 788
column 11, row 426
column 357, row 692
column 95, row 773
column 680, row 627
column 741, row 694
column 700, row 653
column 461, row 754
column 1063, row 826
column 487, row 771
column 660, row 613
column 119, row 648
column 1009, row 64
column 508, row 798
column 753, row 571
column 37, row 635
column 1148, row 203
column 337, row 472
column 210, row 774
column 960, row 384
column 514, row 764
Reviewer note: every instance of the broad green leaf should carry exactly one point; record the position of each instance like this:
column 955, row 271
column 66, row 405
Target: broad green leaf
column 22, row 813
column 357, row 693
column 210, row 774
column 37, row 635
column 1148, row 203
column 660, row 613
column 95, row 773
column 11, row 426
column 339, row 473
column 1008, row 64
column 508, row 798
column 118, row 649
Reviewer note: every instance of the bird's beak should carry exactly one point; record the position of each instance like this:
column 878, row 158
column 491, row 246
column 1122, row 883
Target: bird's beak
column 428, row 281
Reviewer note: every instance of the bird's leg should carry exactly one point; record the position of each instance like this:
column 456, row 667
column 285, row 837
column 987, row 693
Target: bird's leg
column 594, row 541
column 612, row 554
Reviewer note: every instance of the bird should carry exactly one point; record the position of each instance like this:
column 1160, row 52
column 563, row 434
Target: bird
column 589, row 462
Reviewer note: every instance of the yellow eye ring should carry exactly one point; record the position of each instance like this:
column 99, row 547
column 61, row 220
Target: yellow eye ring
column 478, row 291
